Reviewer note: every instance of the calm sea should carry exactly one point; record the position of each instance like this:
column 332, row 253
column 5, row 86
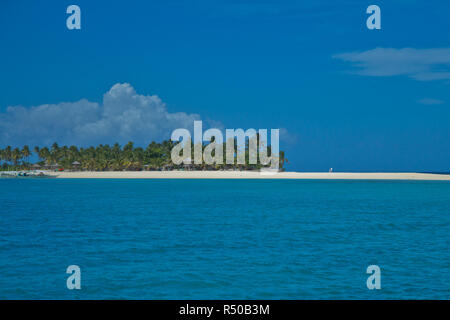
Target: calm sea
column 224, row 239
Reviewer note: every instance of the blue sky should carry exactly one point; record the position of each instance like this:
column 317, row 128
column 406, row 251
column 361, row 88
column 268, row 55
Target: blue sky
column 346, row 97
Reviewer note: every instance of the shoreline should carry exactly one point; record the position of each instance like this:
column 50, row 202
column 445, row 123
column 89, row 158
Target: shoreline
column 249, row 175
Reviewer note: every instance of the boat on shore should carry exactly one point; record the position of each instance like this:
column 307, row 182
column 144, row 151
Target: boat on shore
column 26, row 174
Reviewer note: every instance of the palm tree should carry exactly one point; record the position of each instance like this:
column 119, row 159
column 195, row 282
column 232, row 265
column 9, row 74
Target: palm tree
column 54, row 153
column 105, row 157
column 44, row 153
column 26, row 152
column 7, row 154
column 2, row 157
column 283, row 160
column 16, row 156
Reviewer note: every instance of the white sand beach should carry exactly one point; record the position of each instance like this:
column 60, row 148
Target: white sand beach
column 248, row 175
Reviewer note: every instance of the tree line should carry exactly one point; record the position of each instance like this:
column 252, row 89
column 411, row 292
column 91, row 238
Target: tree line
column 156, row 156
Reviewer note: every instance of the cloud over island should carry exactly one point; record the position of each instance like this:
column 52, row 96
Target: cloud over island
column 418, row 64
column 123, row 115
column 430, row 101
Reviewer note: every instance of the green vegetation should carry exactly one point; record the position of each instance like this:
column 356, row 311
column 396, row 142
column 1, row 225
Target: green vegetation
column 156, row 156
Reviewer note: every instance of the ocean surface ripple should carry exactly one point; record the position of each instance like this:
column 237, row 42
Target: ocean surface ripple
column 224, row 239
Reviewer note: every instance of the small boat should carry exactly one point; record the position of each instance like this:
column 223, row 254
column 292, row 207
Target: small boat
column 25, row 174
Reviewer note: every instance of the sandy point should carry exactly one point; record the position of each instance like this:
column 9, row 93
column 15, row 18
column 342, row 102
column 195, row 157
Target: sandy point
column 250, row 175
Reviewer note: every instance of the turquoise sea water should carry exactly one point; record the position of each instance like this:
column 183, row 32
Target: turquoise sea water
column 224, row 239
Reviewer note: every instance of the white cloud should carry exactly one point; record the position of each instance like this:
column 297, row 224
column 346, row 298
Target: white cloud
column 287, row 137
column 430, row 101
column 419, row 64
column 124, row 115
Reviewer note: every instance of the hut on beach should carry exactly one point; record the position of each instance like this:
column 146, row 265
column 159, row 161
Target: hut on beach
column 35, row 166
column 76, row 165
